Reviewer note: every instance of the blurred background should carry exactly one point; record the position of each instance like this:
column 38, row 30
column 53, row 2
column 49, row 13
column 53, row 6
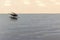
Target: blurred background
column 30, row 6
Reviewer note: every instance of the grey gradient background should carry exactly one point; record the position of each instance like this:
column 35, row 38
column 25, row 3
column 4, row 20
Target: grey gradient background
column 30, row 27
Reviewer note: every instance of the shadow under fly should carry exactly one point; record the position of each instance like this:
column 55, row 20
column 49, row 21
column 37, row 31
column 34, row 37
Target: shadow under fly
column 13, row 17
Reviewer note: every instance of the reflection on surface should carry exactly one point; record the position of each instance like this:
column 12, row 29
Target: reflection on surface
column 30, row 27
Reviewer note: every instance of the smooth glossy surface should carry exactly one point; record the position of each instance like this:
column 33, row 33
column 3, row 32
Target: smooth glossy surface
column 30, row 27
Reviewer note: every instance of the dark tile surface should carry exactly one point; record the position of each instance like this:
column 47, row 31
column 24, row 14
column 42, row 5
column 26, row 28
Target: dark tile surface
column 30, row 27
